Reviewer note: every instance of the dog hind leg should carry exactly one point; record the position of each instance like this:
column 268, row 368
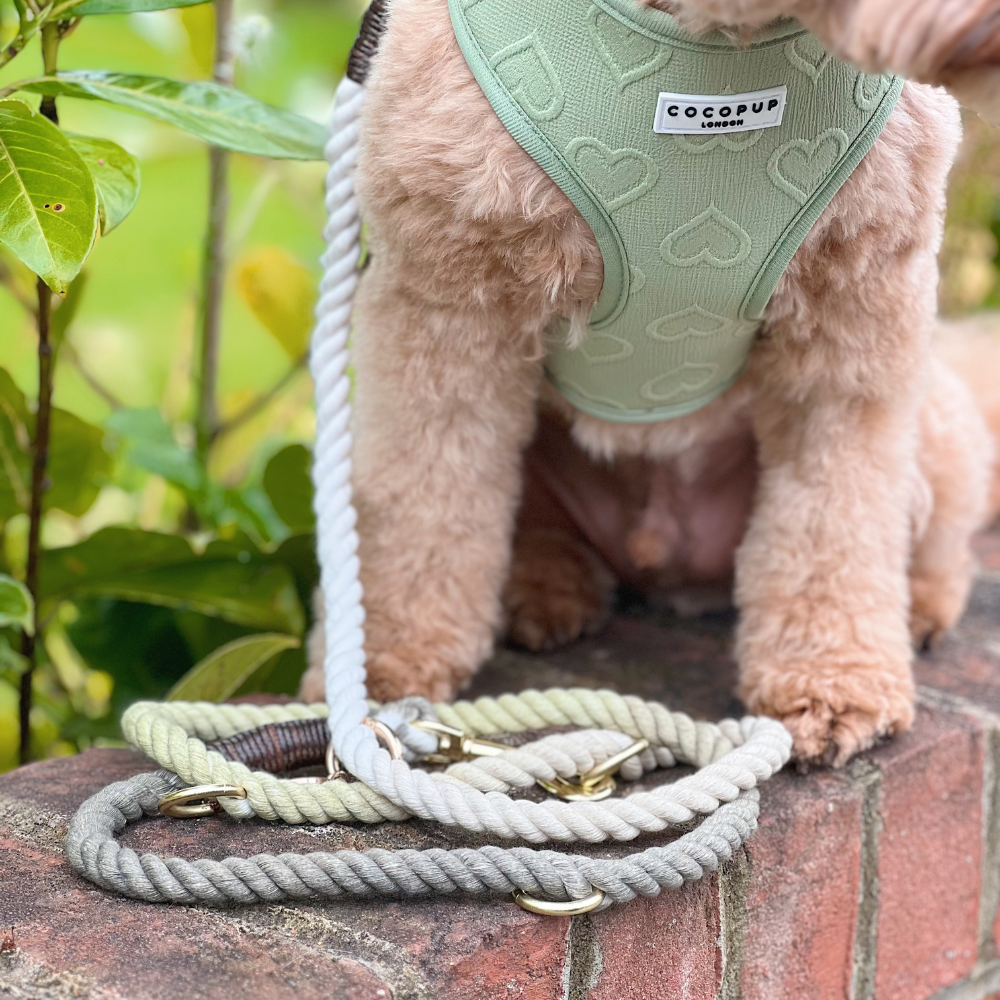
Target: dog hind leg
column 955, row 457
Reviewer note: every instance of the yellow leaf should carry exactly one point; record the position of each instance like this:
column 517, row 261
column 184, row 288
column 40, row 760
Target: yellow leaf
column 281, row 293
column 199, row 23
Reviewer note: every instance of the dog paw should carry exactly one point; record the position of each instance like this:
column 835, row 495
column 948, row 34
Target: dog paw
column 936, row 603
column 557, row 591
column 423, row 669
column 832, row 717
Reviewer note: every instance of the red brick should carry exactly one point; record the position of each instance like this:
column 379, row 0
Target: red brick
column 802, row 898
column 148, row 951
column 466, row 949
column 666, row 948
column 457, row 949
column 930, row 849
column 963, row 666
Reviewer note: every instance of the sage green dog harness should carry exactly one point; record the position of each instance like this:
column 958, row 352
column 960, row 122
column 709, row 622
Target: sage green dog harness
column 699, row 164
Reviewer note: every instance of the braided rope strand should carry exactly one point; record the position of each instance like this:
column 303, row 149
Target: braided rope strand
column 733, row 757
column 94, row 853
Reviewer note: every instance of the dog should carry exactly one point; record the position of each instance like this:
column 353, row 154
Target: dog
column 839, row 479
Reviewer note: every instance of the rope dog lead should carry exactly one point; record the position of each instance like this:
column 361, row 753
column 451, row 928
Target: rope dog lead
column 733, row 757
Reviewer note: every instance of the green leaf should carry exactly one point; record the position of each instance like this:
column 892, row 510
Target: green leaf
column 12, row 664
column 298, row 554
column 78, row 465
column 220, row 115
column 232, row 579
column 150, row 444
column 116, row 177
column 16, row 605
column 289, row 488
column 222, row 673
column 139, row 645
column 129, row 6
column 48, row 203
column 15, row 449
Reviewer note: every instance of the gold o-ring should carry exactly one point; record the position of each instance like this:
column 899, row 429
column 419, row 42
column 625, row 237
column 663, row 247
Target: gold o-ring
column 381, row 730
column 549, row 908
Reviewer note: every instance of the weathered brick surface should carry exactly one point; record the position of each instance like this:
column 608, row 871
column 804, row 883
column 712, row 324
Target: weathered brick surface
column 452, row 950
column 802, row 899
column 929, row 855
column 859, row 885
column 158, row 951
column 663, row 947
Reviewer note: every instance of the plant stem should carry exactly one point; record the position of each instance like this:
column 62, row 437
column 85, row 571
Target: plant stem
column 252, row 409
column 90, row 378
column 39, row 483
column 213, row 259
column 50, row 48
column 40, row 443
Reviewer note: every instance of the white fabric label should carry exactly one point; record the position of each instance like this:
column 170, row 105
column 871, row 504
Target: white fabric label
column 694, row 114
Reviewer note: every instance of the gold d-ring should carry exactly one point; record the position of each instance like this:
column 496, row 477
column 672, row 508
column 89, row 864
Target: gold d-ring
column 548, row 908
column 387, row 736
column 198, row 800
column 382, row 731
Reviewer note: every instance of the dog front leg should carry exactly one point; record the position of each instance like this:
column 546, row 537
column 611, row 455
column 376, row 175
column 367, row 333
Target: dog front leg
column 821, row 582
column 445, row 403
column 839, row 377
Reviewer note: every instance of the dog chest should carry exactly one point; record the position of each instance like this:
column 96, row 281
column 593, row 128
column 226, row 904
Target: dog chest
column 699, row 164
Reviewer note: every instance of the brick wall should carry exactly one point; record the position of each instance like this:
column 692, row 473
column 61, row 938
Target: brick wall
column 878, row 882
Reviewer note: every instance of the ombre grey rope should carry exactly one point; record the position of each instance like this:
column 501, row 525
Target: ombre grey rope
column 266, row 878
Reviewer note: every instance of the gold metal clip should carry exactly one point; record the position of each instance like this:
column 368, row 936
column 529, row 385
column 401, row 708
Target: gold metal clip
column 548, row 908
column 198, row 800
column 598, row 783
column 455, row 744
column 334, row 772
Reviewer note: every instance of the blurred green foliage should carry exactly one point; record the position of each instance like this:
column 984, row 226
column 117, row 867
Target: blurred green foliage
column 970, row 257
column 153, row 561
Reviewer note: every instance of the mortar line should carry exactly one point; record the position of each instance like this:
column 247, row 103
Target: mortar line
column 868, row 778
column 734, row 879
column 980, row 986
column 584, row 961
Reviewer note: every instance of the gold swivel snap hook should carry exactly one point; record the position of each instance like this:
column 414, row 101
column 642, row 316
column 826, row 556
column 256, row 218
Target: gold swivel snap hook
column 598, row 783
column 456, row 744
column 198, row 800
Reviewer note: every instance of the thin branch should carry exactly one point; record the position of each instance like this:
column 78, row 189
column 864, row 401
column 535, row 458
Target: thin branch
column 252, row 409
column 266, row 182
column 213, row 260
column 39, row 483
column 88, row 376
column 50, row 47
column 40, row 444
